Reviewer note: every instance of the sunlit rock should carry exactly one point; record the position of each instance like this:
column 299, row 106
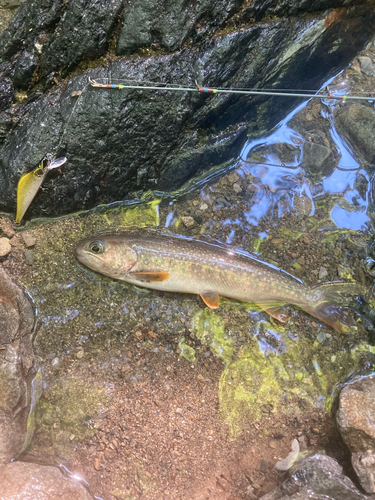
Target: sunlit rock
column 17, row 366
column 21, row 480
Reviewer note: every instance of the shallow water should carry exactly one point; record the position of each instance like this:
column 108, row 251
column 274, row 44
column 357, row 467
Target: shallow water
column 92, row 328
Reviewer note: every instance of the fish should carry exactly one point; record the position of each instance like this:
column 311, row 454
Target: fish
column 174, row 263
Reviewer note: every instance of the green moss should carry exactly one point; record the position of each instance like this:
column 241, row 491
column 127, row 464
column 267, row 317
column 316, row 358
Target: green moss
column 71, row 403
column 209, row 327
column 186, row 351
column 297, row 371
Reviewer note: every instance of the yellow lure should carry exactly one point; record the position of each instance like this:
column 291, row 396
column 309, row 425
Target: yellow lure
column 29, row 184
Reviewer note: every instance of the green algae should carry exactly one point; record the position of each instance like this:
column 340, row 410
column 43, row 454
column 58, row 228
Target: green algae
column 297, row 373
column 65, row 413
column 186, row 351
column 209, row 328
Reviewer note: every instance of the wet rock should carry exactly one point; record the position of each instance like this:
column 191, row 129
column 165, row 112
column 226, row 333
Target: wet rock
column 150, row 22
column 152, row 140
column 355, row 418
column 317, row 159
column 318, row 477
column 366, row 65
column 21, row 480
column 17, row 367
column 10, row 4
column 357, row 125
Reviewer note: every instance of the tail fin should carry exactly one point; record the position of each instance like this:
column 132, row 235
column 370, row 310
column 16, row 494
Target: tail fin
column 330, row 302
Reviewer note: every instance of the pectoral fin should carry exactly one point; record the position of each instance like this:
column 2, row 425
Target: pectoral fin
column 150, row 276
column 210, row 298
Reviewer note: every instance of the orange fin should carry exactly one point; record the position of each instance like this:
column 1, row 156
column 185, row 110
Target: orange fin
column 275, row 312
column 210, row 298
column 149, row 276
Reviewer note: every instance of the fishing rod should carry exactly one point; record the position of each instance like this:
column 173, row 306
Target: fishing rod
column 208, row 90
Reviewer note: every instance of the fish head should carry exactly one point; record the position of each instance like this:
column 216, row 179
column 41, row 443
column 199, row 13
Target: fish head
column 107, row 254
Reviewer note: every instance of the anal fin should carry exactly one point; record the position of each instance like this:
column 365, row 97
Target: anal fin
column 276, row 312
column 150, row 276
column 210, row 298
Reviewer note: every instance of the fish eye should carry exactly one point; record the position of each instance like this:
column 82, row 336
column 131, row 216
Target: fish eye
column 96, row 247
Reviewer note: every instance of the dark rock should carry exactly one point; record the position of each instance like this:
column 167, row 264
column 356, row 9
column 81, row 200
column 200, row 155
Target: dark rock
column 6, row 87
column 118, row 142
column 317, row 159
column 5, row 127
column 355, row 418
column 167, row 24
column 357, row 125
column 24, row 69
column 17, row 367
column 21, row 480
column 318, row 477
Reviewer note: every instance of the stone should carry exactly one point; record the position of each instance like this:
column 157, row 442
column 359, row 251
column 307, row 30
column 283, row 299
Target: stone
column 22, row 480
column 17, row 366
column 323, row 273
column 366, row 65
column 188, row 221
column 317, row 159
column 356, row 124
column 28, row 239
column 6, row 228
column 355, row 419
column 5, row 247
column 317, row 477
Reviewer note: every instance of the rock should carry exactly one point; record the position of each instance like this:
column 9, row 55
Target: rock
column 6, row 228
column 355, row 418
column 5, row 247
column 323, row 273
column 188, row 221
column 317, row 477
column 28, row 239
column 148, row 139
column 17, row 367
column 317, row 159
column 366, row 65
column 149, row 22
column 10, row 4
column 21, row 480
column 357, row 125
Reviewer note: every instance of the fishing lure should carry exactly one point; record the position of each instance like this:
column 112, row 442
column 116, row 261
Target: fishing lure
column 29, row 184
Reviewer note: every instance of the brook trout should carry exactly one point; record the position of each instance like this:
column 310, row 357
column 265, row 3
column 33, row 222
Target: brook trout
column 179, row 264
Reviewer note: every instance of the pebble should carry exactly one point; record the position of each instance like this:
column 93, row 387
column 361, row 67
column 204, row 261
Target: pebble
column 29, row 256
column 237, row 187
column 80, row 354
column 7, row 228
column 323, row 273
column 188, row 221
column 204, row 206
column 5, row 247
column 28, row 239
column 366, row 65
column 272, row 444
column 96, row 464
column 233, row 177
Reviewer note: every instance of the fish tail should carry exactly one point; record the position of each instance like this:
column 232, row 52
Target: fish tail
column 329, row 303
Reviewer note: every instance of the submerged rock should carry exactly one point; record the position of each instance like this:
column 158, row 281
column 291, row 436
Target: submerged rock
column 318, row 477
column 357, row 125
column 355, row 418
column 21, row 480
column 317, row 159
column 17, row 366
